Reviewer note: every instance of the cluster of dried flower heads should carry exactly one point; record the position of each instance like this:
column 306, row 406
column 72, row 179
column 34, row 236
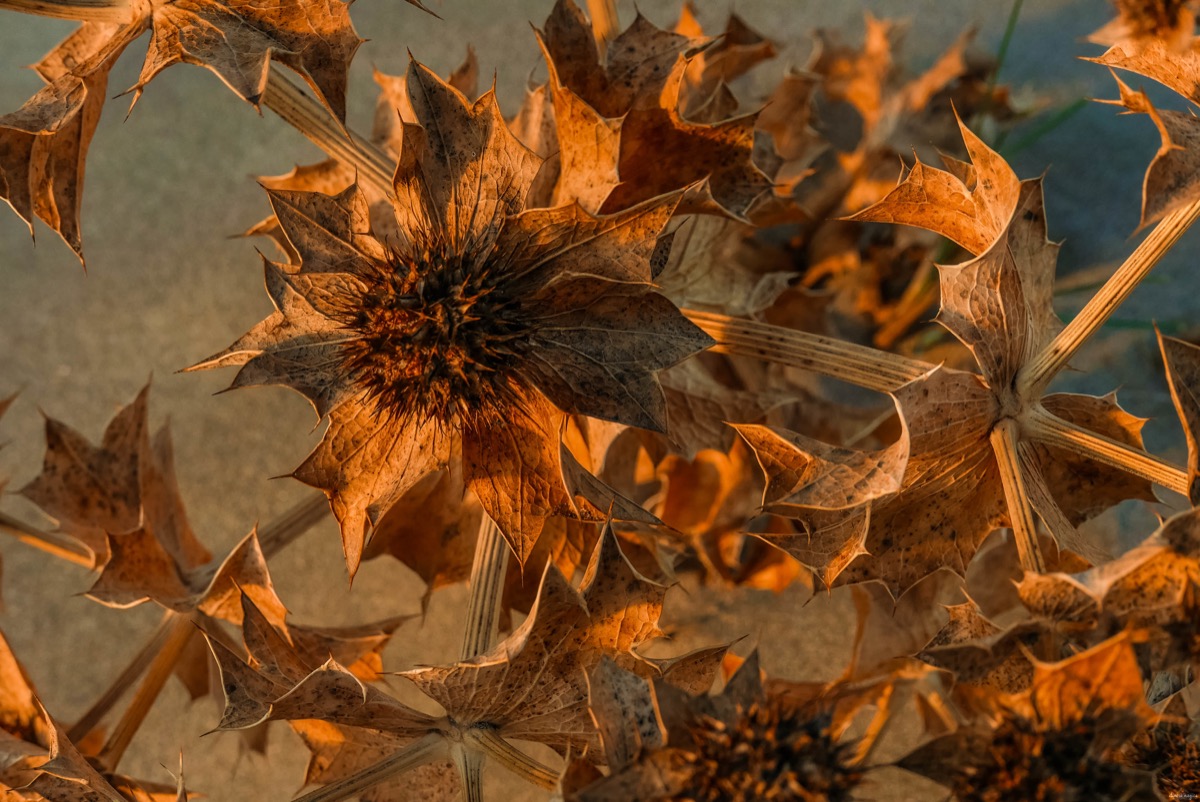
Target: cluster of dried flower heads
column 575, row 354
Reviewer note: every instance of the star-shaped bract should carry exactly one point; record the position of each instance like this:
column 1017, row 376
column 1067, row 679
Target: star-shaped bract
column 478, row 319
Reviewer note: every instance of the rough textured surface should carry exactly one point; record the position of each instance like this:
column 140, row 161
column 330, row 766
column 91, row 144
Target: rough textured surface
column 165, row 288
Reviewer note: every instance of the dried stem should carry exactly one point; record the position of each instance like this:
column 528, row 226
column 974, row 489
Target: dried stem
column 857, row 364
column 424, row 750
column 1004, row 443
column 1044, row 427
column 512, row 758
column 56, row 543
column 99, row 709
column 487, row 585
column 1038, row 372
column 82, row 10
column 470, row 771
column 278, row 534
column 304, row 113
column 272, row 539
column 181, row 631
column 605, row 24
column 483, row 616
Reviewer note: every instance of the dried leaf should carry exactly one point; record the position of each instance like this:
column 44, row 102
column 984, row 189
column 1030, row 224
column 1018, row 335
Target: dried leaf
column 1182, row 362
column 712, row 267
column 43, row 145
column 531, row 685
column 1170, row 182
column 641, row 80
column 237, row 40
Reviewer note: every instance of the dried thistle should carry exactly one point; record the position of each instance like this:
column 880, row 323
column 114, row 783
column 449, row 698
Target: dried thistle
column 467, row 332
column 771, row 751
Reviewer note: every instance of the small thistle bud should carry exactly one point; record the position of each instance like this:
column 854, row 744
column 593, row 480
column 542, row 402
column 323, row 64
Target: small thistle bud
column 1026, row 763
column 772, row 751
column 1154, row 17
column 1172, row 756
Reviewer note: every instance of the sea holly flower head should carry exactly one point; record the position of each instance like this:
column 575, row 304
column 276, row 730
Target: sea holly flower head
column 467, row 330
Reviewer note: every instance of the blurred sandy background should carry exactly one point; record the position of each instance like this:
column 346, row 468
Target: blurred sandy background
column 165, row 286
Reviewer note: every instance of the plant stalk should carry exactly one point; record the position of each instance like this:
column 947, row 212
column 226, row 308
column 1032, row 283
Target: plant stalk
column 487, row 586
column 1004, row 444
column 1037, row 373
column 99, row 709
column 427, row 748
column 469, row 762
column 304, row 113
column 81, row 10
column 56, row 543
column 858, row 364
column 483, row 617
column 278, row 534
column 512, row 758
column 1043, row 427
column 181, row 630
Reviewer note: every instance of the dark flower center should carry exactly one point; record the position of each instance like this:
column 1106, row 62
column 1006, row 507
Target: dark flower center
column 772, row 752
column 1152, row 17
column 436, row 337
column 1172, row 756
column 1029, row 764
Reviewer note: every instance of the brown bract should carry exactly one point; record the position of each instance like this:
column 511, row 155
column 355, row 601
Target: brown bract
column 1152, row 588
column 1056, row 740
column 900, row 528
column 43, row 144
column 1157, row 40
column 37, row 761
column 237, row 40
column 296, row 672
column 125, row 483
column 478, row 321
column 635, row 97
column 1170, row 181
column 533, row 685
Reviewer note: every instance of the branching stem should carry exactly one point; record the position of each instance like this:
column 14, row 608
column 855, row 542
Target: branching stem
column 425, row 749
column 1043, row 427
column 181, row 630
column 512, row 758
column 469, row 762
column 304, row 113
column 487, row 585
column 1004, row 443
column 858, row 364
column 60, row 545
column 1038, row 372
